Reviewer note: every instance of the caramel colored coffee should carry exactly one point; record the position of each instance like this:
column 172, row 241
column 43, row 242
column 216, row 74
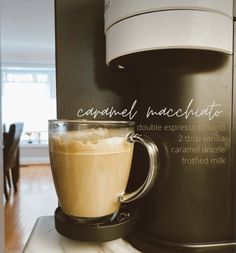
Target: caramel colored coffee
column 90, row 171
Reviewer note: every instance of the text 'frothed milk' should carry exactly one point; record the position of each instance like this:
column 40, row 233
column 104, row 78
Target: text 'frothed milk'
column 90, row 170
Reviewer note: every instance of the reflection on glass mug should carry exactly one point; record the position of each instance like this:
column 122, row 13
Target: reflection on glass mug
column 91, row 163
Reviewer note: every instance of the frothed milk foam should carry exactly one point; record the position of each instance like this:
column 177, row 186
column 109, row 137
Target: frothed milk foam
column 90, row 170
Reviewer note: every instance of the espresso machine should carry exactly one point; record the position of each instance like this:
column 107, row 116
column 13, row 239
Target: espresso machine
column 172, row 62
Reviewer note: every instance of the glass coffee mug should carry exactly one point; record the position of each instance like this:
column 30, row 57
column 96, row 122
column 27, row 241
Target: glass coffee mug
column 91, row 162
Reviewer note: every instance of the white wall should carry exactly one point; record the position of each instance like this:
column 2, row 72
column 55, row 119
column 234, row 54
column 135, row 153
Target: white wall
column 29, row 58
column 34, row 154
column 1, row 165
column 234, row 8
column 28, row 33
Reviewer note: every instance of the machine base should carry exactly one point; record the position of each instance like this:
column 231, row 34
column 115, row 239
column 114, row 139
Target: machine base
column 150, row 245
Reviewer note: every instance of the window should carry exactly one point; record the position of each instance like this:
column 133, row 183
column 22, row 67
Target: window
column 29, row 96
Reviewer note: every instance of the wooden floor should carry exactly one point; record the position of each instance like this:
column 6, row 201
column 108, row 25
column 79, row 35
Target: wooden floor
column 36, row 197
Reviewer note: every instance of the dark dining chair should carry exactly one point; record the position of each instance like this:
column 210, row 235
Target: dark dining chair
column 11, row 166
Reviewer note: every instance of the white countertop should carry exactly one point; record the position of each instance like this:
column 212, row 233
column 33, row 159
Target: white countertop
column 44, row 238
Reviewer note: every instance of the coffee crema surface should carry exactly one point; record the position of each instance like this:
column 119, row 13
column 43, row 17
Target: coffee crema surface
column 90, row 169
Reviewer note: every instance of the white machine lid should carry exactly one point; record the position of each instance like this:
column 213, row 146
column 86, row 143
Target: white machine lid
column 175, row 29
column 116, row 10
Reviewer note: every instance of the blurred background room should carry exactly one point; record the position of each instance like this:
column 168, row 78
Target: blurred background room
column 28, row 96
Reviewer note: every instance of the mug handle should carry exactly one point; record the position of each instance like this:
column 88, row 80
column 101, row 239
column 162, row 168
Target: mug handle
column 153, row 153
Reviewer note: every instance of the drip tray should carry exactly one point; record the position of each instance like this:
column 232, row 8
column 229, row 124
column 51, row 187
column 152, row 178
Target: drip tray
column 119, row 227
